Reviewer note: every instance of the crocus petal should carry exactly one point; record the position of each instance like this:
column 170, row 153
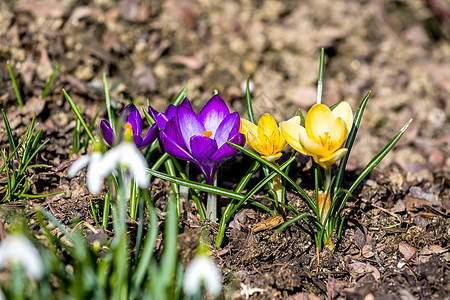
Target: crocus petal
column 310, row 146
column 247, row 126
column 107, row 132
column 172, row 147
column 318, row 121
column 291, row 132
column 253, row 141
column 134, row 118
column 229, row 127
column 344, row 111
column 329, row 160
column 338, row 134
column 189, row 124
column 268, row 127
column 202, row 149
column 150, row 137
column 77, row 165
column 226, row 151
column 213, row 113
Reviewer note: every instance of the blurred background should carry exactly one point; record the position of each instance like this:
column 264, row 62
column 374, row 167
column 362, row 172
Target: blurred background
column 149, row 50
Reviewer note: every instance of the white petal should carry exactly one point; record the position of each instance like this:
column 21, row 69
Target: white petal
column 136, row 163
column 202, row 270
column 94, row 175
column 18, row 249
column 78, row 165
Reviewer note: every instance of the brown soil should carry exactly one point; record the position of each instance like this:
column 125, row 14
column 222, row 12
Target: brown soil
column 396, row 238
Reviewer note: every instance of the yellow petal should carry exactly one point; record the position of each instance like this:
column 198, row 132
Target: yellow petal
column 268, row 126
column 344, row 111
column 338, row 134
column 272, row 158
column 252, row 140
column 311, row 147
column 329, row 160
column 318, row 121
column 295, row 120
column 291, row 132
column 247, row 126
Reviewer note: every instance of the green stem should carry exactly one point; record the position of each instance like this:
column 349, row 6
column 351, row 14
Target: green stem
column 211, row 204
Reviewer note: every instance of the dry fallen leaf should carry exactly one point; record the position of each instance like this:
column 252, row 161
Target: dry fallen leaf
column 432, row 249
column 409, row 252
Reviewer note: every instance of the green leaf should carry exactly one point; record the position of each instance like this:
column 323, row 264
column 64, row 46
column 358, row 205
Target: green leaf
column 78, row 115
column 292, row 221
column 276, row 169
column 320, row 80
column 16, row 86
column 49, row 83
column 111, row 118
column 180, row 97
column 200, row 186
column 373, row 163
column 248, row 98
column 349, row 143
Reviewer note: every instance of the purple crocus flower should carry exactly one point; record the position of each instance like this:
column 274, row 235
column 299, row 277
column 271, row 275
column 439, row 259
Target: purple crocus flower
column 130, row 117
column 161, row 119
column 201, row 138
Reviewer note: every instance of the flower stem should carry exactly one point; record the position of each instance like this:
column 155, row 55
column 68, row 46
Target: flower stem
column 211, row 204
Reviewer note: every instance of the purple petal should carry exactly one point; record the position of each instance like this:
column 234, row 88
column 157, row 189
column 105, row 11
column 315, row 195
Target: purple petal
column 107, row 132
column 175, row 149
column 134, row 118
column 202, row 150
column 213, row 113
column 228, row 128
column 189, row 124
column 186, row 103
column 225, row 152
column 150, row 137
column 173, row 131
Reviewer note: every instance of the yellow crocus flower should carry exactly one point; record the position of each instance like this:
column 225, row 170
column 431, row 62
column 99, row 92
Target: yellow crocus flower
column 265, row 138
column 323, row 135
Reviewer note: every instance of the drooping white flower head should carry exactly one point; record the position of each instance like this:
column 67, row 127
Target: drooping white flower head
column 94, row 163
column 202, row 270
column 17, row 249
column 125, row 155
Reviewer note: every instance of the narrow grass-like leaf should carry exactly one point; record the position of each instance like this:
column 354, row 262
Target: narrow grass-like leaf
column 302, row 117
column 349, row 143
column 320, row 80
column 49, row 82
column 196, row 185
column 9, row 134
column 180, row 97
column 111, row 118
column 77, row 113
column 170, row 169
column 76, row 136
column 16, row 86
column 374, row 162
column 248, row 98
column 194, row 193
column 149, row 245
column 169, row 256
column 292, row 221
column 276, row 169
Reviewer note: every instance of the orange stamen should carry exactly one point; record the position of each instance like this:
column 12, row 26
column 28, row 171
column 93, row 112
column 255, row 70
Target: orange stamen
column 207, row 133
column 128, row 129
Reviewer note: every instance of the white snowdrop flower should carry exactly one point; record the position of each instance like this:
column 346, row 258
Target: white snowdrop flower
column 17, row 249
column 125, row 155
column 94, row 163
column 202, row 270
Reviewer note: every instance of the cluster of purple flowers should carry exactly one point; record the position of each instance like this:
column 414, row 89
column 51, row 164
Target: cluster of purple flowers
column 201, row 139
